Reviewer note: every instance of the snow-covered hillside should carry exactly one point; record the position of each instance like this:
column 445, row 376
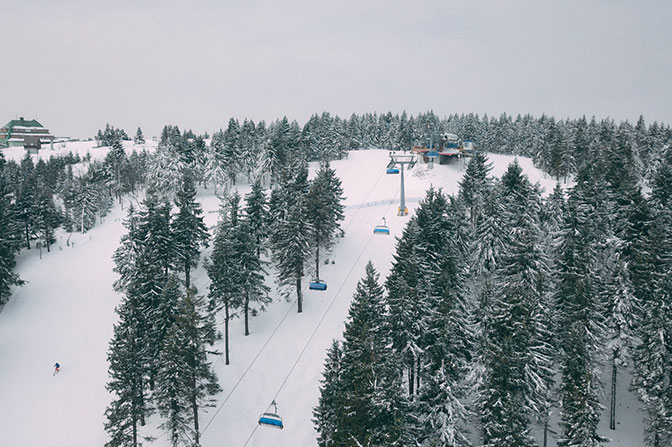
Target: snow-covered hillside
column 65, row 313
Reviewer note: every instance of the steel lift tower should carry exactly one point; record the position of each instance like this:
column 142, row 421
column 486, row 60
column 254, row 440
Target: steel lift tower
column 403, row 160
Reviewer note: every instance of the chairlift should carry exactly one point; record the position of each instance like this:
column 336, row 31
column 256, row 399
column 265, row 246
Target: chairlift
column 381, row 229
column 271, row 419
column 317, row 284
column 393, row 171
column 432, row 154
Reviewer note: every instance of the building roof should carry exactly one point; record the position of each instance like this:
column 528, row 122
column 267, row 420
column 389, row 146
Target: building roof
column 23, row 123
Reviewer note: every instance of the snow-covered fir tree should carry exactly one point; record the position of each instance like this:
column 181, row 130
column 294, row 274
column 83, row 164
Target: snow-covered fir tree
column 188, row 230
column 327, row 410
column 475, row 186
column 256, row 212
column 291, row 231
column 367, row 405
column 324, row 210
column 580, row 325
column 251, row 274
column 408, row 301
column 653, row 354
column 128, row 357
column 167, row 164
column 185, row 380
column 47, row 217
column 620, row 303
column 225, row 290
column 139, row 137
column 9, row 237
column 516, row 357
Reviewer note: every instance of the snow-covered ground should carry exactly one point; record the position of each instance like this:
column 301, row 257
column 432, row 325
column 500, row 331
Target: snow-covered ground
column 65, row 313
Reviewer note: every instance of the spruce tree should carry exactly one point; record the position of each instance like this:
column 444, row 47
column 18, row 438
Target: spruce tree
column 47, row 216
column 9, row 237
column 127, row 357
column 324, row 210
column 516, row 354
column 652, row 355
column 408, row 295
column 328, row 408
column 291, row 249
column 580, row 326
column 256, row 210
column 620, row 309
column 25, row 199
column 291, row 230
column 188, row 230
column 186, row 379
column 139, row 137
column 251, row 274
column 475, row 186
column 371, row 409
column 225, row 286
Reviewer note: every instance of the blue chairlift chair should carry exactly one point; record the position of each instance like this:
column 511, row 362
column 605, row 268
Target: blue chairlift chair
column 317, row 284
column 393, row 171
column 272, row 420
column 381, row 229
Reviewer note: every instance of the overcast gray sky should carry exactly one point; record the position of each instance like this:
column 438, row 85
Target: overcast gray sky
column 75, row 65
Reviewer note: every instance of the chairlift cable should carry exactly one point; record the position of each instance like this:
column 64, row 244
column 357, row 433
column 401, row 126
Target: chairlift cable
column 290, row 308
column 324, row 315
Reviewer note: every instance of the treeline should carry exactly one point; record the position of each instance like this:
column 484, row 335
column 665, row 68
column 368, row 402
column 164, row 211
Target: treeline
column 159, row 352
column 558, row 147
column 503, row 307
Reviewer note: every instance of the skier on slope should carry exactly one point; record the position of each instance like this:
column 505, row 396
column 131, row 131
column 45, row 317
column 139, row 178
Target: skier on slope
column 57, row 368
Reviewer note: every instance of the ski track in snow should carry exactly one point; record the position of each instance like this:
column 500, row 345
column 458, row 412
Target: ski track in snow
column 65, row 313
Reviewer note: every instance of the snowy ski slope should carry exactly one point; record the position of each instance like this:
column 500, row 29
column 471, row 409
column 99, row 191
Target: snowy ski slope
column 65, row 314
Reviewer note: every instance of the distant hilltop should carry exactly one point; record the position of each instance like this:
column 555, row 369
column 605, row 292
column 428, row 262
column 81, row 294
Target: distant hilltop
column 27, row 133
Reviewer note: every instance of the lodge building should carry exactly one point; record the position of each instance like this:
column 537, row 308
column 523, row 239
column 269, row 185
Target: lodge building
column 27, row 133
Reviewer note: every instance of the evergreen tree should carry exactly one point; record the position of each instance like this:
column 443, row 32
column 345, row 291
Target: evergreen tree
column 408, row 301
column 127, row 357
column 9, row 237
column 25, row 198
column 369, row 406
column 653, row 355
column 327, row 410
column 256, row 210
column 155, row 232
column 475, row 186
column 444, row 415
column 620, row 308
column 291, row 231
column 225, row 288
column 139, row 137
column 291, row 249
column 186, row 379
column 48, row 218
column 324, row 210
column 188, row 230
column 517, row 355
column 580, row 325
column 251, row 274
